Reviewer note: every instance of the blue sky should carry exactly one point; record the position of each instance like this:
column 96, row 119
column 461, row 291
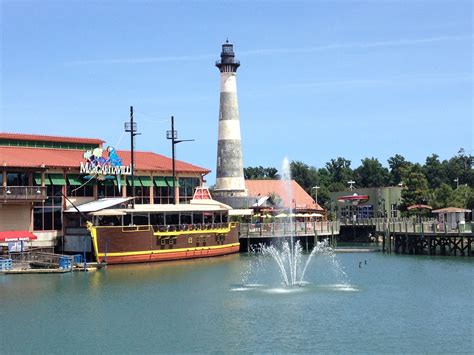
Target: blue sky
column 318, row 79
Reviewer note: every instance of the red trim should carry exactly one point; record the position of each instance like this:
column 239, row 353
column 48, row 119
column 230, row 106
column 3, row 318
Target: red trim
column 179, row 255
column 16, row 236
column 40, row 137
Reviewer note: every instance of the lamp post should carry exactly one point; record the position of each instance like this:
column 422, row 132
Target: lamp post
column 132, row 128
column 173, row 135
column 457, row 182
column 316, row 188
column 351, row 182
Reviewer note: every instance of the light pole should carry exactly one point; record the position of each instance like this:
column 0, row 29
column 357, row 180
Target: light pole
column 132, row 128
column 457, row 182
column 173, row 135
column 316, row 188
column 351, row 182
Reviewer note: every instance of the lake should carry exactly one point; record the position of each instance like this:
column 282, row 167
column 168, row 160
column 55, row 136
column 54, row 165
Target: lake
column 236, row 303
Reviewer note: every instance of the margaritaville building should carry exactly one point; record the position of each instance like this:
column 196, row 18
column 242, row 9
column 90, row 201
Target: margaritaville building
column 42, row 176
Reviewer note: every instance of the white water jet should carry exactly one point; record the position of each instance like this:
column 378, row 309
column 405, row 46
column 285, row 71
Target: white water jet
column 289, row 258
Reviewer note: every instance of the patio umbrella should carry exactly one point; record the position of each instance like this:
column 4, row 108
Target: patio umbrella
column 419, row 207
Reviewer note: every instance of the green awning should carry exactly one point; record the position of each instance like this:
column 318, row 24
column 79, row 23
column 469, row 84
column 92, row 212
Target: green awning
column 169, row 181
column 57, row 179
column 146, row 181
column 136, row 181
column 74, row 180
column 160, row 181
column 38, row 179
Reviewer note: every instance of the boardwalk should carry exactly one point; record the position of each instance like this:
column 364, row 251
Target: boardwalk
column 298, row 229
column 308, row 233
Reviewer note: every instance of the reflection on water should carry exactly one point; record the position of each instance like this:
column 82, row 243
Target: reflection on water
column 215, row 304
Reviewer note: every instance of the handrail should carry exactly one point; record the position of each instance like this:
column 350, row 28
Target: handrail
column 23, row 192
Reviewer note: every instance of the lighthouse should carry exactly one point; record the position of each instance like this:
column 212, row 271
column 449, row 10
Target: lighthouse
column 230, row 172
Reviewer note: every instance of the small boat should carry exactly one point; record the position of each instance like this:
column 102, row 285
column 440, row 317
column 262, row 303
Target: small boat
column 148, row 233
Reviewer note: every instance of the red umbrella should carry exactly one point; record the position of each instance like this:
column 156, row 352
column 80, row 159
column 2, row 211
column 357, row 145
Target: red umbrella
column 419, row 207
column 354, row 199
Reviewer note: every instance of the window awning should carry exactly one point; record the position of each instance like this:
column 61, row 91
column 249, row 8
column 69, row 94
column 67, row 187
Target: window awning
column 136, row 181
column 146, row 181
column 57, row 179
column 160, row 181
column 37, row 178
column 169, row 181
column 74, row 180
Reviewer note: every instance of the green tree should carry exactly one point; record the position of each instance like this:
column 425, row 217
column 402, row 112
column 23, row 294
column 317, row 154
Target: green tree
column 306, row 176
column 442, row 196
column 340, row 170
column 416, row 188
column 460, row 167
column 434, row 171
column 371, row 174
column 259, row 172
column 398, row 165
column 460, row 197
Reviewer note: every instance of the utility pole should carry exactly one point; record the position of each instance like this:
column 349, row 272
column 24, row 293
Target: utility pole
column 173, row 135
column 132, row 128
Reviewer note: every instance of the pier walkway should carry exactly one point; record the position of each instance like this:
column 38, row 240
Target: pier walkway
column 307, row 232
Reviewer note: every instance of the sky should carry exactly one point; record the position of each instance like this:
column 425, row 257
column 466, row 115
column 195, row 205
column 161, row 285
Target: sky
column 318, row 79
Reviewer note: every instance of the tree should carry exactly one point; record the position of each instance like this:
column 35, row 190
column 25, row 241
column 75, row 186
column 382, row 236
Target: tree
column 460, row 196
column 416, row 188
column 340, row 170
column 259, row 172
column 371, row 174
column 434, row 171
column 304, row 175
column 442, row 196
column 398, row 165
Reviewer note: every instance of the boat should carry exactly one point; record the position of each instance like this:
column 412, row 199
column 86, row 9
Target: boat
column 148, row 233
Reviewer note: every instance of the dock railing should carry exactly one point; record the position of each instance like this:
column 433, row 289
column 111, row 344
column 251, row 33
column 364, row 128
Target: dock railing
column 432, row 227
column 277, row 229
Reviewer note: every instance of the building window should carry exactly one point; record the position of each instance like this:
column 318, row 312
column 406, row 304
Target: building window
column 17, row 179
column 107, row 188
column 163, row 194
column 47, row 215
column 186, row 188
column 142, row 194
column 393, row 210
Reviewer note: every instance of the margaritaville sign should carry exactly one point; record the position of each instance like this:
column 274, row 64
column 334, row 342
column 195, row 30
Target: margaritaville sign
column 99, row 164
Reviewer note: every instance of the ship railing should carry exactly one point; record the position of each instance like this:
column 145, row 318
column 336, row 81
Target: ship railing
column 189, row 227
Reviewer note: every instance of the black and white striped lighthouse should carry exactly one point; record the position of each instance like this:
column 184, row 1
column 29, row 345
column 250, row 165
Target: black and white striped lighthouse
column 230, row 172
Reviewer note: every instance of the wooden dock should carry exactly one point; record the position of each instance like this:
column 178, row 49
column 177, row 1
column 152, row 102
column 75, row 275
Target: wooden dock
column 427, row 238
column 308, row 233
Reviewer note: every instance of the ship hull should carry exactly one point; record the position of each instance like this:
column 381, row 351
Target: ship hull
column 141, row 244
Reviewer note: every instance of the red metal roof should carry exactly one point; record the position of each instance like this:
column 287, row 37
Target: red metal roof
column 295, row 192
column 39, row 137
column 15, row 236
column 21, row 157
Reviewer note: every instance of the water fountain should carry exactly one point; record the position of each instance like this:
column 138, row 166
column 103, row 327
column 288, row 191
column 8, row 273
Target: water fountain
column 289, row 256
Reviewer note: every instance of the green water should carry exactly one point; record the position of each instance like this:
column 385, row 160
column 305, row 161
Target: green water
column 234, row 304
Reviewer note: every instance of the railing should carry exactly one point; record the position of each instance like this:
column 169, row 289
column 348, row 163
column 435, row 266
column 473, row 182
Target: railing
column 26, row 193
column 424, row 227
column 43, row 259
column 266, row 230
column 379, row 221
